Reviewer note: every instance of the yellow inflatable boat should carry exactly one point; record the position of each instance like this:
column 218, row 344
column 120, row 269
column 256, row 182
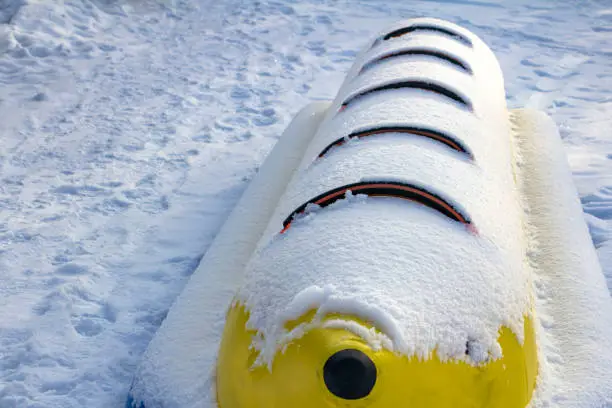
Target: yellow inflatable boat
column 413, row 243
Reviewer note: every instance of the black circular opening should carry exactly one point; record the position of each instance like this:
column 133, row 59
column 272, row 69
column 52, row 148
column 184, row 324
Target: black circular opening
column 349, row 374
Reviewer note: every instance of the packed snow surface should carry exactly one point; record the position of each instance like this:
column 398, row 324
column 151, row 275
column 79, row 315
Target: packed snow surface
column 130, row 129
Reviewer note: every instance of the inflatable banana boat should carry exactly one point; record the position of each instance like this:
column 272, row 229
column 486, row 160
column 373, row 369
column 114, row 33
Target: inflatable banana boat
column 411, row 244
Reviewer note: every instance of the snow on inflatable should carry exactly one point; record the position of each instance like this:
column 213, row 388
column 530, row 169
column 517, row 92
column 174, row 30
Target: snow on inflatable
column 412, row 244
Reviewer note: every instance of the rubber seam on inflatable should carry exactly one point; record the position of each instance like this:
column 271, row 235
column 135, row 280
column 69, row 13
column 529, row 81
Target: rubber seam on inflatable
column 428, row 133
column 419, row 51
column 383, row 189
column 417, row 84
column 427, row 27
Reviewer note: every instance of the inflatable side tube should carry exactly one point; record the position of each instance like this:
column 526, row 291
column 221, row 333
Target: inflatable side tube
column 573, row 303
column 178, row 367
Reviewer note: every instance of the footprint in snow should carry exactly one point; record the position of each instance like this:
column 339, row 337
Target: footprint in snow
column 81, row 190
column 71, row 269
column 92, row 324
column 599, row 204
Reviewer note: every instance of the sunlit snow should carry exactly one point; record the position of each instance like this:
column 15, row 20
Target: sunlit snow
column 129, row 129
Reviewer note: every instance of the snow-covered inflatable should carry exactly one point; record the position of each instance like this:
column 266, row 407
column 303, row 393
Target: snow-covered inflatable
column 413, row 243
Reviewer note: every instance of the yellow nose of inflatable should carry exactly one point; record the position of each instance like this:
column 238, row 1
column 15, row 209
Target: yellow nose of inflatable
column 334, row 367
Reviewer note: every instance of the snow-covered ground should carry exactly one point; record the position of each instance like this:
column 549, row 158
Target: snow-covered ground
column 130, row 128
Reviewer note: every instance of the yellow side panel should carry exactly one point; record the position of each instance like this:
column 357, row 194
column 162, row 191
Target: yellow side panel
column 296, row 379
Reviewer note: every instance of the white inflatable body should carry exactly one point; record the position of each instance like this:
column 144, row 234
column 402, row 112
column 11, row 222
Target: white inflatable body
column 498, row 236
